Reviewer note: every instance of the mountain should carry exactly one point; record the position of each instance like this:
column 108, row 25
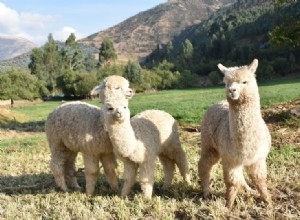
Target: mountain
column 139, row 35
column 11, row 47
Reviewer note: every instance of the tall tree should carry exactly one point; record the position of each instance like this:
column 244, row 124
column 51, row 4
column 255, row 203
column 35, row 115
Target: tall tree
column 133, row 72
column 107, row 51
column 51, row 62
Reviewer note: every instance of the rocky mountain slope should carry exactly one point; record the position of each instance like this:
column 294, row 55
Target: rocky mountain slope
column 11, row 47
column 139, row 35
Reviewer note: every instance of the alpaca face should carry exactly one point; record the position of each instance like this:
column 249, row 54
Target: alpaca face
column 240, row 82
column 116, row 110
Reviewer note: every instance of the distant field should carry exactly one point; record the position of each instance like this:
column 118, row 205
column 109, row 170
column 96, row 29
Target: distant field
column 27, row 188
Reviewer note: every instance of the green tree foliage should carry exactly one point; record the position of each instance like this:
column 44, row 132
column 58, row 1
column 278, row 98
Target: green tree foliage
column 133, row 72
column 288, row 31
column 107, row 51
column 19, row 84
column 77, row 84
column 187, row 50
column 51, row 63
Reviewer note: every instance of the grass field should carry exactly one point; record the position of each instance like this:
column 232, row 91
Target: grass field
column 27, row 188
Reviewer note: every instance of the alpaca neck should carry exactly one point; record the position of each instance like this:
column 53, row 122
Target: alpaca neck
column 123, row 138
column 243, row 121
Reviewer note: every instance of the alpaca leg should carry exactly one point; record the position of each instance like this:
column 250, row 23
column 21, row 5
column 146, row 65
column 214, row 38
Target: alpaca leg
column 130, row 171
column 57, row 164
column 70, row 170
column 110, row 165
column 169, row 167
column 258, row 175
column 209, row 157
column 91, row 165
column 181, row 162
column 147, row 178
column 233, row 180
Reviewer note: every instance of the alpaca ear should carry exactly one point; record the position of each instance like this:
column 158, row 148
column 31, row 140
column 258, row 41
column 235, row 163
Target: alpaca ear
column 222, row 68
column 96, row 90
column 253, row 66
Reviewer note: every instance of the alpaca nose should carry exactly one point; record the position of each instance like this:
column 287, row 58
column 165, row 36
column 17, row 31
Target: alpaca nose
column 232, row 89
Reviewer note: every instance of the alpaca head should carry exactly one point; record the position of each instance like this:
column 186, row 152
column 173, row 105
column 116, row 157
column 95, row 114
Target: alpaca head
column 113, row 86
column 116, row 110
column 240, row 82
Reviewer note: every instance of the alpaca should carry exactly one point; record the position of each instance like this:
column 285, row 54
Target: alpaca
column 235, row 132
column 137, row 142
column 78, row 127
column 113, row 86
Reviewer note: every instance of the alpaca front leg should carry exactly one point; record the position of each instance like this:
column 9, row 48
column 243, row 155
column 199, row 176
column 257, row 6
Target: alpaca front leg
column 209, row 157
column 130, row 171
column 147, row 178
column 258, row 175
column 233, row 180
column 110, row 165
column 91, row 165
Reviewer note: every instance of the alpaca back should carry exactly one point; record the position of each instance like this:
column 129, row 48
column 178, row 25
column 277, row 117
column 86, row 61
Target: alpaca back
column 79, row 127
column 157, row 129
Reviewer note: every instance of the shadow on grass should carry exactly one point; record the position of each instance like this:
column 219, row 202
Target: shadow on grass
column 44, row 183
column 32, row 126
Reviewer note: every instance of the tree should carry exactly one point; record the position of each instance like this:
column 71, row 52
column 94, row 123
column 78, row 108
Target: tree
column 51, row 63
column 133, row 72
column 287, row 32
column 19, row 84
column 187, row 50
column 36, row 64
column 107, row 51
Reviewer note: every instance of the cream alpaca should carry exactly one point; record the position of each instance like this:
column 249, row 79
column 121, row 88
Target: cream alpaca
column 140, row 140
column 234, row 131
column 78, row 127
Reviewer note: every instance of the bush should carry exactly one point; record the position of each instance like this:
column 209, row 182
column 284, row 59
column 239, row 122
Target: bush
column 215, row 77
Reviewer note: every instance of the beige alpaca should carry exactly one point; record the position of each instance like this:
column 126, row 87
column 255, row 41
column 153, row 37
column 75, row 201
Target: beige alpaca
column 234, row 131
column 140, row 140
column 78, row 127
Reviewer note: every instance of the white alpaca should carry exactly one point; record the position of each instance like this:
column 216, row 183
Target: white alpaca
column 78, row 127
column 234, row 131
column 140, row 140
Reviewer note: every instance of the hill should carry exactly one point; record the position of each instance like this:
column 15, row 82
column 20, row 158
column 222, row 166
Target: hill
column 11, row 47
column 139, row 35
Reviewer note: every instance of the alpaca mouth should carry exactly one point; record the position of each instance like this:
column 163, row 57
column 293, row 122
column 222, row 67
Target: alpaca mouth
column 233, row 96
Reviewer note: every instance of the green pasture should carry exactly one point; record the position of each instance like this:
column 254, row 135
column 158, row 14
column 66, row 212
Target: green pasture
column 27, row 188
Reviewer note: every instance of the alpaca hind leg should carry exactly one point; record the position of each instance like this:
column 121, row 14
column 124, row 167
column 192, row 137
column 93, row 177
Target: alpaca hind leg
column 130, row 172
column 57, row 165
column 91, row 165
column 258, row 175
column 110, row 165
column 233, row 178
column 182, row 164
column 70, row 170
column 209, row 157
column 147, row 178
column 169, row 167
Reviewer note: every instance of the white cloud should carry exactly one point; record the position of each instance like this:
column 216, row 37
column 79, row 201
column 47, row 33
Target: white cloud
column 27, row 25
column 64, row 33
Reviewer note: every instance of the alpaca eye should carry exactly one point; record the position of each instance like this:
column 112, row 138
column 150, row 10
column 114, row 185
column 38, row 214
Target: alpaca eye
column 125, row 107
column 244, row 82
column 117, row 87
column 110, row 109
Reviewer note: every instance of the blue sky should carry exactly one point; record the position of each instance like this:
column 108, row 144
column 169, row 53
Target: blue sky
column 35, row 19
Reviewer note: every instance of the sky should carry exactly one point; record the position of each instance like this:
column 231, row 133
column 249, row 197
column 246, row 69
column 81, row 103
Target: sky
column 35, row 19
